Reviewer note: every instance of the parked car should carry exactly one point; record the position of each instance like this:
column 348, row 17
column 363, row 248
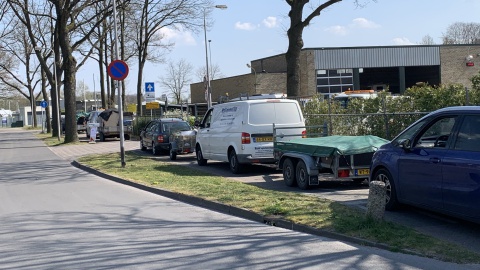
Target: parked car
column 82, row 123
column 168, row 135
column 434, row 164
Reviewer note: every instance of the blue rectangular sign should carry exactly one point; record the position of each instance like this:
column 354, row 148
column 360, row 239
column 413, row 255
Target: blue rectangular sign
column 149, row 87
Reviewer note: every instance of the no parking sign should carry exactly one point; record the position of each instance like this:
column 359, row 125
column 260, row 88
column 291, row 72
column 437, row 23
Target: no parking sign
column 118, row 70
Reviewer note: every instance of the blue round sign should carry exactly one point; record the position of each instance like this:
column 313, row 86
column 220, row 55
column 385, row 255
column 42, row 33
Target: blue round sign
column 117, row 70
column 44, row 104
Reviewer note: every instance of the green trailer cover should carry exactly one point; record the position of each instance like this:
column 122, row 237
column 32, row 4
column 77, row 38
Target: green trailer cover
column 332, row 145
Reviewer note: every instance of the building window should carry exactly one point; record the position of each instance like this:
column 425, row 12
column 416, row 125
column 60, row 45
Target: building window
column 334, row 80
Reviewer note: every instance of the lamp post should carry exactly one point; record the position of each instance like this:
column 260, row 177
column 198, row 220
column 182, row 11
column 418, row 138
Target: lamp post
column 255, row 72
column 57, row 92
column 210, row 53
column 207, row 81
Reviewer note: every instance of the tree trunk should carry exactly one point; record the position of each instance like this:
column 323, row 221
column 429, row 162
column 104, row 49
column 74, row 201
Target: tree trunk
column 69, row 74
column 141, row 64
column 295, row 45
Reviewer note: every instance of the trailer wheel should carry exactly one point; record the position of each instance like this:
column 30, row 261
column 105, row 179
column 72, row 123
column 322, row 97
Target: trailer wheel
column 302, row 175
column 289, row 173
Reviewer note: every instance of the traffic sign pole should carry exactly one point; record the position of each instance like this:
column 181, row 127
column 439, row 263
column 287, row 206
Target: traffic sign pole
column 118, row 70
column 43, row 104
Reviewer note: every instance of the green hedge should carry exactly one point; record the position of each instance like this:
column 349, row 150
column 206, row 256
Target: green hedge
column 385, row 116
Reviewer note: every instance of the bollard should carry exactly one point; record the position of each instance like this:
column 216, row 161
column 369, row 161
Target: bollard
column 376, row 200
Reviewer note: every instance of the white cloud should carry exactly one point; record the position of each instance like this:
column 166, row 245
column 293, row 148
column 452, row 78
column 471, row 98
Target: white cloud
column 270, row 22
column 363, row 23
column 402, row 41
column 178, row 37
column 244, row 26
column 337, row 30
column 341, row 30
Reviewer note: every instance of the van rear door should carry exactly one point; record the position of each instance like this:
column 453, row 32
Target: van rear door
column 282, row 113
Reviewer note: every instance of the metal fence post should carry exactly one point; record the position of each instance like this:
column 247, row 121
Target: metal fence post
column 467, row 99
column 384, row 105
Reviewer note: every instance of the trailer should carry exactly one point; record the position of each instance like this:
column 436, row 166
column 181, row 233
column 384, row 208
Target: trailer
column 303, row 160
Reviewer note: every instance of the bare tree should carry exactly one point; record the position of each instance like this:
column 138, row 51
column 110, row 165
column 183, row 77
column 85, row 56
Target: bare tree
column 298, row 22
column 178, row 76
column 427, row 40
column 72, row 24
column 16, row 54
column 214, row 72
column 151, row 17
column 462, row 33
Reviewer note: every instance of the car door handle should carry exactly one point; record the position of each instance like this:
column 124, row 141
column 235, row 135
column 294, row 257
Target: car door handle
column 434, row 160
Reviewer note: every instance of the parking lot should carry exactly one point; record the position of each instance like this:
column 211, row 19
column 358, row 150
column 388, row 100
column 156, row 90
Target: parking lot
column 268, row 177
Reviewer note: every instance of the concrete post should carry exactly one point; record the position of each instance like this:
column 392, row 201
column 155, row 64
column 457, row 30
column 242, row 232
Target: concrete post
column 376, row 200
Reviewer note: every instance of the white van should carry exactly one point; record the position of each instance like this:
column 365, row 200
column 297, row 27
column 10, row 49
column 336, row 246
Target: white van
column 241, row 132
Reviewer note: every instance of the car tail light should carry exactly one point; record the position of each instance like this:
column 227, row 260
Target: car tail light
column 160, row 138
column 304, row 134
column 343, row 173
column 246, row 138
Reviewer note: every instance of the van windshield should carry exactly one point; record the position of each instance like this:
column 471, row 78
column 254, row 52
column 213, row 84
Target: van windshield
column 274, row 112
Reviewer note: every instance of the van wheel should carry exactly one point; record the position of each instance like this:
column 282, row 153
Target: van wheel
column 302, row 175
column 289, row 173
column 384, row 175
column 235, row 167
column 200, row 160
column 102, row 137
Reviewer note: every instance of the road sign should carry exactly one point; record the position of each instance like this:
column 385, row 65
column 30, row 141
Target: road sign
column 152, row 105
column 117, row 70
column 149, row 91
column 44, row 104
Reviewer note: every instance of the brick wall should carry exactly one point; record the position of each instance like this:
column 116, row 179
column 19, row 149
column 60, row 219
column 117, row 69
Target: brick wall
column 453, row 64
column 243, row 84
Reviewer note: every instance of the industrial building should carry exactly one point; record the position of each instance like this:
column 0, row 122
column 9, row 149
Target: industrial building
column 333, row 70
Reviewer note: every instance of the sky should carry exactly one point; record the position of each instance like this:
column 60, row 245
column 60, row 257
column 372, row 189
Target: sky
column 253, row 29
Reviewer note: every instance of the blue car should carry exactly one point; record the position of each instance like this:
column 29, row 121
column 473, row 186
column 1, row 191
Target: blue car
column 434, row 164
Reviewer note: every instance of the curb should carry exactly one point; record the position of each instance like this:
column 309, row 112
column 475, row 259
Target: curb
column 241, row 213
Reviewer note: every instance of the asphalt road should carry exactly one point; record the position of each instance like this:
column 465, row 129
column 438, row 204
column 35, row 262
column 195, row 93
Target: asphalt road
column 55, row 216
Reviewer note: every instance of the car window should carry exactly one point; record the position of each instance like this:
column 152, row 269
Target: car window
column 469, row 134
column 409, row 133
column 151, row 126
column 208, row 119
column 175, row 126
column 437, row 133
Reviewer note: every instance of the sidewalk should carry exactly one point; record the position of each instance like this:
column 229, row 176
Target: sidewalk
column 72, row 152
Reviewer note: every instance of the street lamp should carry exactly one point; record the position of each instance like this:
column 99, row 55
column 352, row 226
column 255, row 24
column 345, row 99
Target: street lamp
column 255, row 72
column 57, row 91
column 207, row 79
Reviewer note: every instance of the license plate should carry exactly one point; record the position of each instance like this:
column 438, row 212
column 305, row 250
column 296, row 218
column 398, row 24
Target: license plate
column 362, row 172
column 263, row 139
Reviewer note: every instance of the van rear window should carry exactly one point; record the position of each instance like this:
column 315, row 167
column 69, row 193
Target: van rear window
column 278, row 113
